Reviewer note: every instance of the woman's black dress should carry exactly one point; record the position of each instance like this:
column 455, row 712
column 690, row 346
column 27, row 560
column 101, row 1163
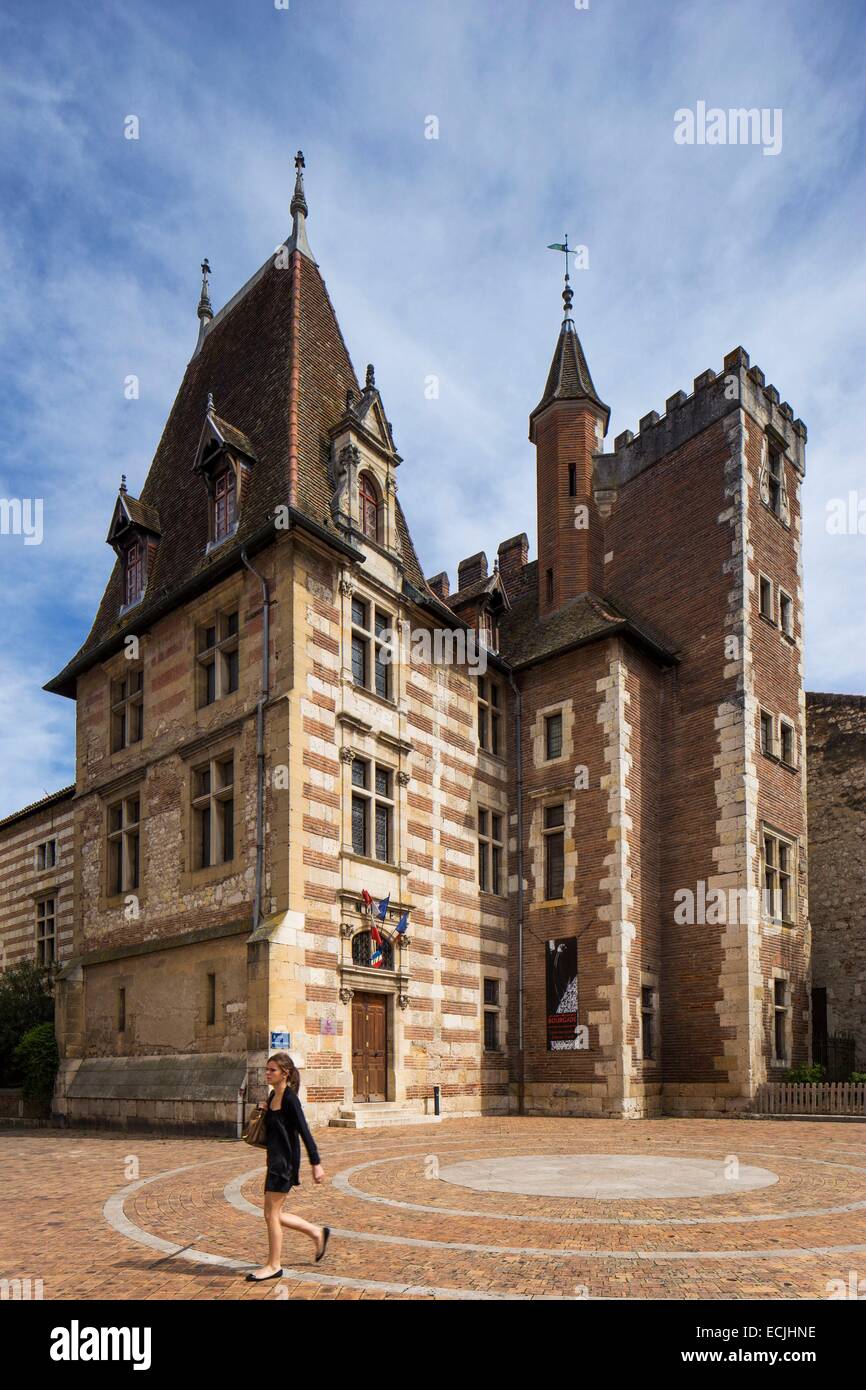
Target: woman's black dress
column 285, row 1128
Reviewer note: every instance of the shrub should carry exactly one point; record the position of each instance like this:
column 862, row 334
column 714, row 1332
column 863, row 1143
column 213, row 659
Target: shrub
column 806, row 1073
column 38, row 1059
column 26, row 1000
column 858, row 1076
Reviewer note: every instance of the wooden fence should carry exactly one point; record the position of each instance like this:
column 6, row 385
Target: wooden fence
column 812, row 1098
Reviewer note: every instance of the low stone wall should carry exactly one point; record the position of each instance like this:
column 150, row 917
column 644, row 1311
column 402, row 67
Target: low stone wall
column 180, row 1094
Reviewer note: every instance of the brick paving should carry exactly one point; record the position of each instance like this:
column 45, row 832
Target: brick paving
column 124, row 1216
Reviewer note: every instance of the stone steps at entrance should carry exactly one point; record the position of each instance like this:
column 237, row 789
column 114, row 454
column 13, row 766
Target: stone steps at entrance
column 372, row 1114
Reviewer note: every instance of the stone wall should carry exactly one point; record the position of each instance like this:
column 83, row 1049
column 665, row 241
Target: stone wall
column 836, row 726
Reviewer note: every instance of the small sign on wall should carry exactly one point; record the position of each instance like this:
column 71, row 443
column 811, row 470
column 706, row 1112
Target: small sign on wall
column 281, row 1041
column 328, row 1027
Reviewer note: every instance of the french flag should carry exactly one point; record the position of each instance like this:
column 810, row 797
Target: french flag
column 376, row 957
column 383, row 908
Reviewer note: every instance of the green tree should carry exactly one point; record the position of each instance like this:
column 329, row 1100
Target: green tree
column 26, row 1000
column 38, row 1059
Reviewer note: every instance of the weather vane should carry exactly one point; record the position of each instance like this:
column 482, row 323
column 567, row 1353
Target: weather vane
column 567, row 293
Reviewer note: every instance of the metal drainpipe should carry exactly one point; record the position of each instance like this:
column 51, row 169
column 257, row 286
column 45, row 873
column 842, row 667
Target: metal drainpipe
column 260, row 738
column 518, row 749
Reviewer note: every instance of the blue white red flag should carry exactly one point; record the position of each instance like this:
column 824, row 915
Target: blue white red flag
column 403, row 923
column 383, row 908
column 376, row 955
column 368, row 901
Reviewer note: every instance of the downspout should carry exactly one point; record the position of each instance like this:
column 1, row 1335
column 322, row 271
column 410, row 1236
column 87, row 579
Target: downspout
column 260, row 738
column 518, row 753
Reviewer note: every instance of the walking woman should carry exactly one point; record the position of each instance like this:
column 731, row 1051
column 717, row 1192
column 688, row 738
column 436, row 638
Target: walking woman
column 286, row 1126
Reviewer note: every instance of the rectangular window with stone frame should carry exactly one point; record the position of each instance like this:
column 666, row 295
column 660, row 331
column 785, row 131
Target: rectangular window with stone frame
column 372, row 648
column 124, row 846
column 490, row 846
column 553, row 835
column 553, row 736
column 786, row 614
column 217, row 658
column 127, row 709
column 46, row 931
column 779, row 863
column 492, row 1009
column 46, row 855
column 372, row 810
column 768, row 738
column 490, row 715
column 213, row 811
column 776, row 479
column 766, row 606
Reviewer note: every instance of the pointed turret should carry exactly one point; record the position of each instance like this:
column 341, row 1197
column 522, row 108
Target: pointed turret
column 567, row 427
column 569, row 377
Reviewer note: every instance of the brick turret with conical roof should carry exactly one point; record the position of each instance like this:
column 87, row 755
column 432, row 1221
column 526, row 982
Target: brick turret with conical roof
column 567, row 427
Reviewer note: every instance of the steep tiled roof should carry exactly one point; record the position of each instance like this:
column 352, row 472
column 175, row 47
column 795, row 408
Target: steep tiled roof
column 37, row 807
column 569, row 378
column 141, row 515
column 236, row 438
column 245, row 360
column 525, row 638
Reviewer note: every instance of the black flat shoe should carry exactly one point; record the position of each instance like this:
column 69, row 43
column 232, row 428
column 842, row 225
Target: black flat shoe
column 263, row 1278
column 327, row 1232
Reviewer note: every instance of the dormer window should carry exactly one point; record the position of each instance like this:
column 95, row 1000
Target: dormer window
column 133, row 586
column 370, row 507
column 224, row 504
column 225, row 459
column 134, row 538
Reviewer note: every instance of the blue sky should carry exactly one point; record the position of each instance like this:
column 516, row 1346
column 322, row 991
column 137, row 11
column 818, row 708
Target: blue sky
column 551, row 119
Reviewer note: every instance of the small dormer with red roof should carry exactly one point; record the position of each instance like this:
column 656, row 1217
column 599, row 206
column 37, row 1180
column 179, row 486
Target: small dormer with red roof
column 225, row 459
column 134, row 536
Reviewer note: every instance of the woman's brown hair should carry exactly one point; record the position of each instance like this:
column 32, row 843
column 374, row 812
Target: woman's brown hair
column 285, row 1063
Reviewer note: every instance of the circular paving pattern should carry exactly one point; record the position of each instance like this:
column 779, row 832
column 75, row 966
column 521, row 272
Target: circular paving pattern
column 492, row 1208
column 601, row 1177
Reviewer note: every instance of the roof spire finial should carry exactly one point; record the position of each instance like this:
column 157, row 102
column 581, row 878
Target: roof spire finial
column 300, row 212
column 299, row 200
column 370, row 384
column 123, row 482
column 568, row 292
column 205, row 312
column 210, row 405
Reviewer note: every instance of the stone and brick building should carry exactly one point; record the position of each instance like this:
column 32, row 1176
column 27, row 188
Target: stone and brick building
column 36, row 876
column 836, row 726
column 580, row 778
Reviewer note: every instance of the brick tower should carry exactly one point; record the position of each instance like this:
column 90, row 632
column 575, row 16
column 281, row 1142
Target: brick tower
column 567, row 427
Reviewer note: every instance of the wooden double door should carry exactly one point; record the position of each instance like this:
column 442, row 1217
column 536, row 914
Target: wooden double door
column 370, row 1046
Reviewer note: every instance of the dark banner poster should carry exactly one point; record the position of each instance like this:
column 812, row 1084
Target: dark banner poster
column 564, row 1034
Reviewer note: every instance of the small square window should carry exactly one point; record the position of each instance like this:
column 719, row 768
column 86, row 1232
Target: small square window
column 786, row 613
column 765, row 591
column 553, row 736
column 767, row 740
